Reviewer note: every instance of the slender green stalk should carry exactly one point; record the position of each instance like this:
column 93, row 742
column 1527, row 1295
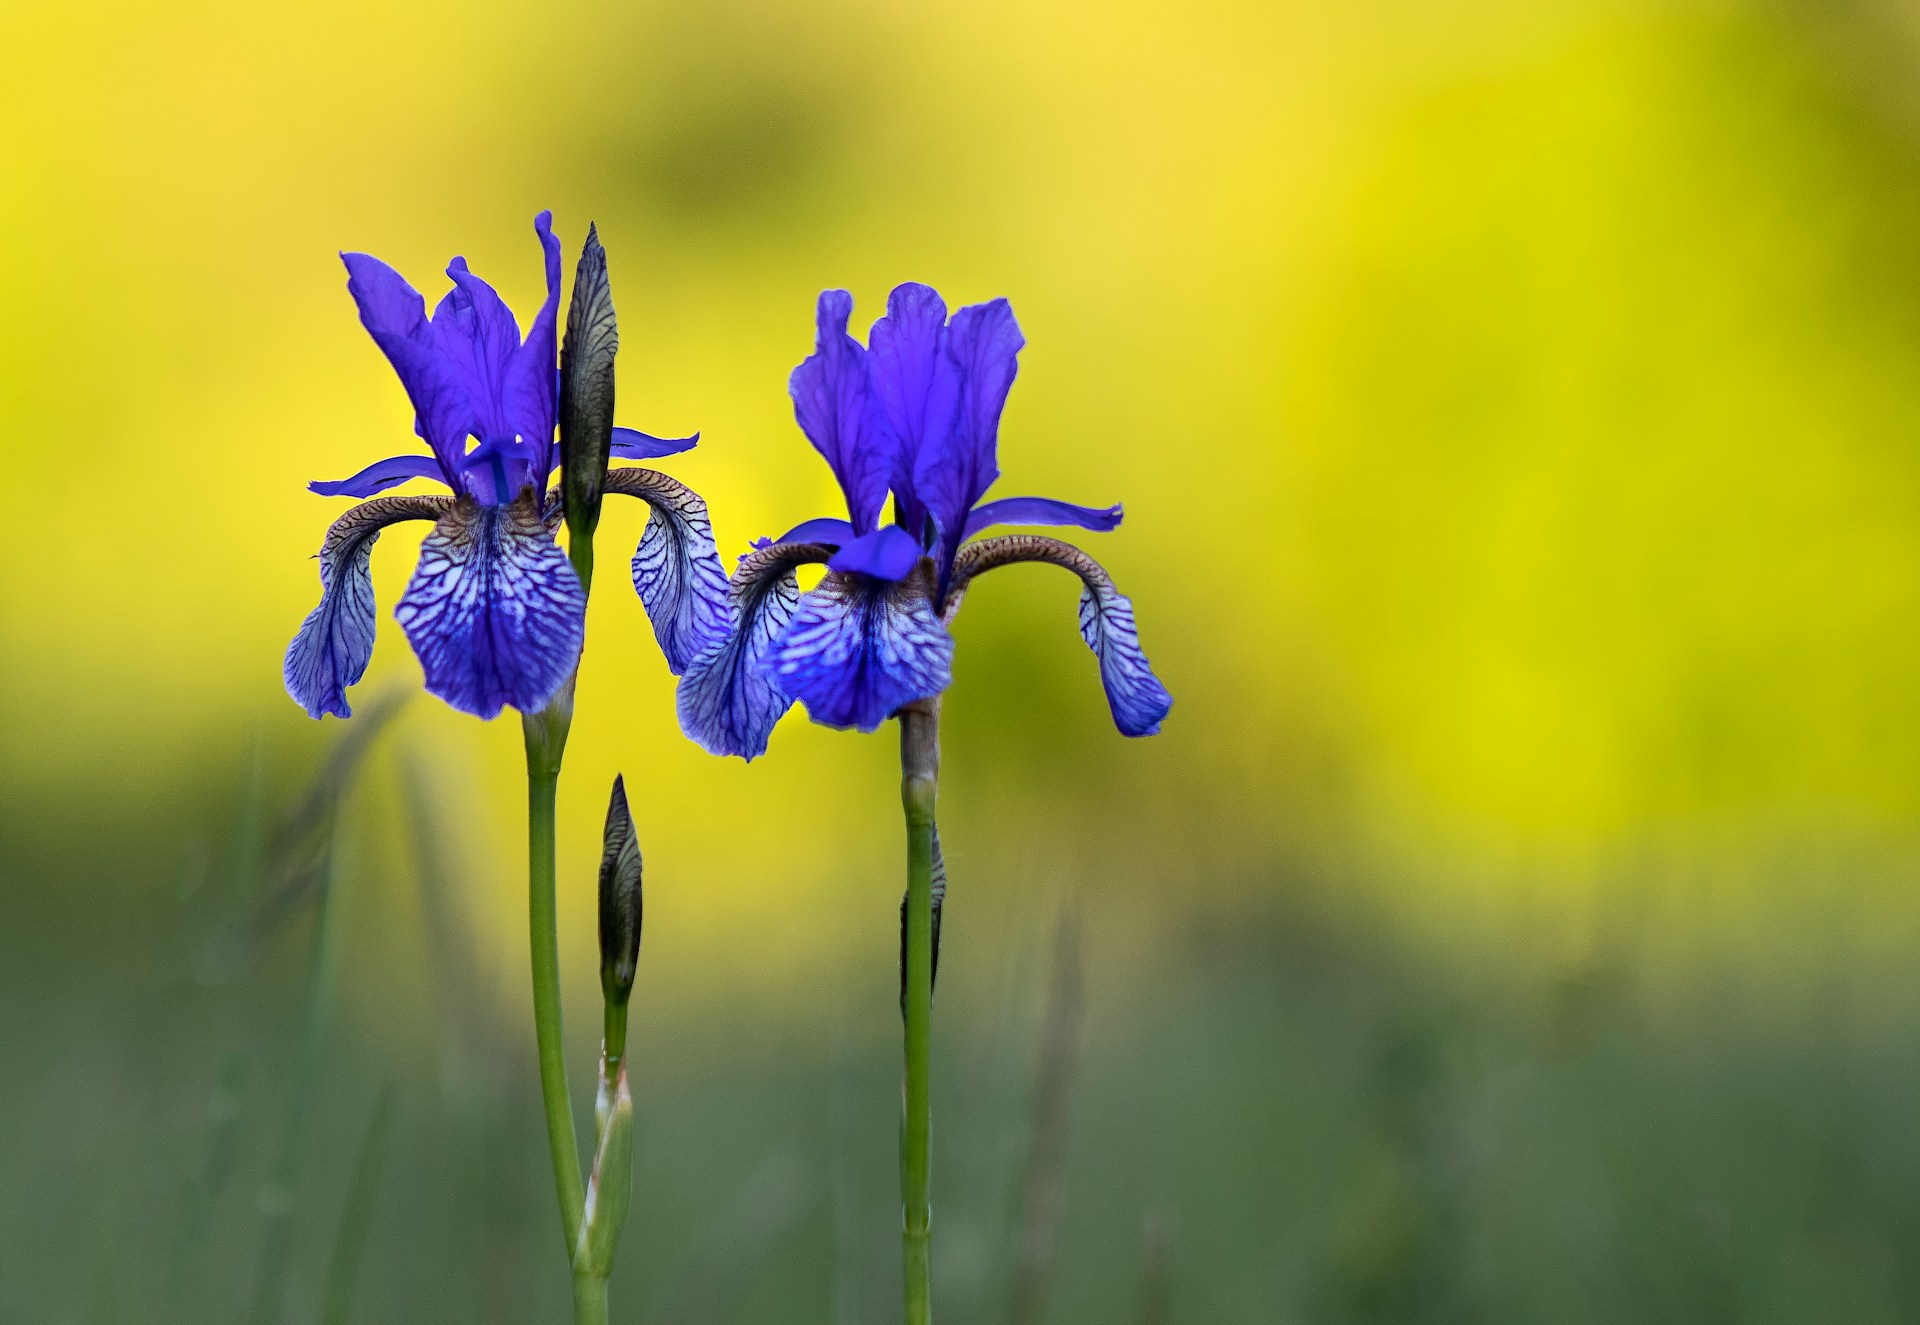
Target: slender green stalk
column 919, row 785
column 589, row 1298
column 543, row 777
column 276, row 1194
column 580, row 553
column 356, row 1215
column 614, row 1037
column 546, row 739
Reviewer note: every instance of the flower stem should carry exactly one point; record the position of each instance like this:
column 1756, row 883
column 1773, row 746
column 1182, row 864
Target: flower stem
column 614, row 1036
column 919, row 785
column 580, row 553
column 589, row 1298
column 543, row 777
column 546, row 741
column 546, row 735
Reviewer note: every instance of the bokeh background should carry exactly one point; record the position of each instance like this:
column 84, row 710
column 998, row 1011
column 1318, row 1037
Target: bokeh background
column 1514, row 407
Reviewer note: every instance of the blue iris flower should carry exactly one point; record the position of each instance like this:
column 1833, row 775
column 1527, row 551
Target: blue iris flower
column 916, row 414
column 494, row 610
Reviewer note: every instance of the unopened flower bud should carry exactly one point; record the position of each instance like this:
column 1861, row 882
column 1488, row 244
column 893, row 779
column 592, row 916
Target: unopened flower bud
column 619, row 899
column 586, row 389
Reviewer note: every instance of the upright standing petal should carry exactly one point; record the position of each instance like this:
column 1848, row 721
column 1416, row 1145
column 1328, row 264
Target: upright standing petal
column 475, row 333
column 529, row 395
column 395, row 316
column 858, row 648
column 831, row 403
column 727, row 703
column 915, row 384
column 1134, row 694
column 335, row 642
column 950, row 476
column 494, row 610
column 676, row 569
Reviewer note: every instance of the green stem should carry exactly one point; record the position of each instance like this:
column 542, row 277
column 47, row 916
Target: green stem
column 919, row 785
column 580, row 553
column 589, row 1299
column 543, row 777
column 614, row 1037
column 546, row 740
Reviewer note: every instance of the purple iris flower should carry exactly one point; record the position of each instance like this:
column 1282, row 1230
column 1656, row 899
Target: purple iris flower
column 915, row 413
column 494, row 610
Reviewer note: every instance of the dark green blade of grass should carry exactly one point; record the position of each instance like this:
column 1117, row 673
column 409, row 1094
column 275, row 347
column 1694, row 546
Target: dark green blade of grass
column 1044, row 1175
column 1156, row 1269
column 356, row 1213
column 295, row 855
column 311, row 813
column 219, row 1147
column 276, row 1194
column 316, row 818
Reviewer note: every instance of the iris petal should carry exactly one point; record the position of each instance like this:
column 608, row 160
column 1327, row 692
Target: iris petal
column 915, row 383
column 530, row 394
column 834, row 409
column 476, row 336
column 1134, row 694
column 465, row 369
column 494, row 610
column 676, row 569
column 726, row 702
column 953, row 472
column 858, row 648
column 379, row 476
column 825, row 529
column 335, row 642
column 1041, row 510
column 395, row 316
column 632, row 444
column 889, row 553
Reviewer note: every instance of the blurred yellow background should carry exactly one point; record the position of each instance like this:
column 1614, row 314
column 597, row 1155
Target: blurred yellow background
column 1510, row 407
column 1513, row 405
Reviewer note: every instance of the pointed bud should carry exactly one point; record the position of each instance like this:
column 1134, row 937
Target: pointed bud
column 619, row 900
column 586, row 389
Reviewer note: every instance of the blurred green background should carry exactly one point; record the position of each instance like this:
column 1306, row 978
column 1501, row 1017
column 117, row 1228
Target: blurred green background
column 1516, row 921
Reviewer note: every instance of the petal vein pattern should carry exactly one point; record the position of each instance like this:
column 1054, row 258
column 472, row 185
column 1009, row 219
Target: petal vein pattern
column 858, row 648
column 494, row 610
column 727, row 703
column 335, row 642
column 1135, row 695
column 676, row 568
